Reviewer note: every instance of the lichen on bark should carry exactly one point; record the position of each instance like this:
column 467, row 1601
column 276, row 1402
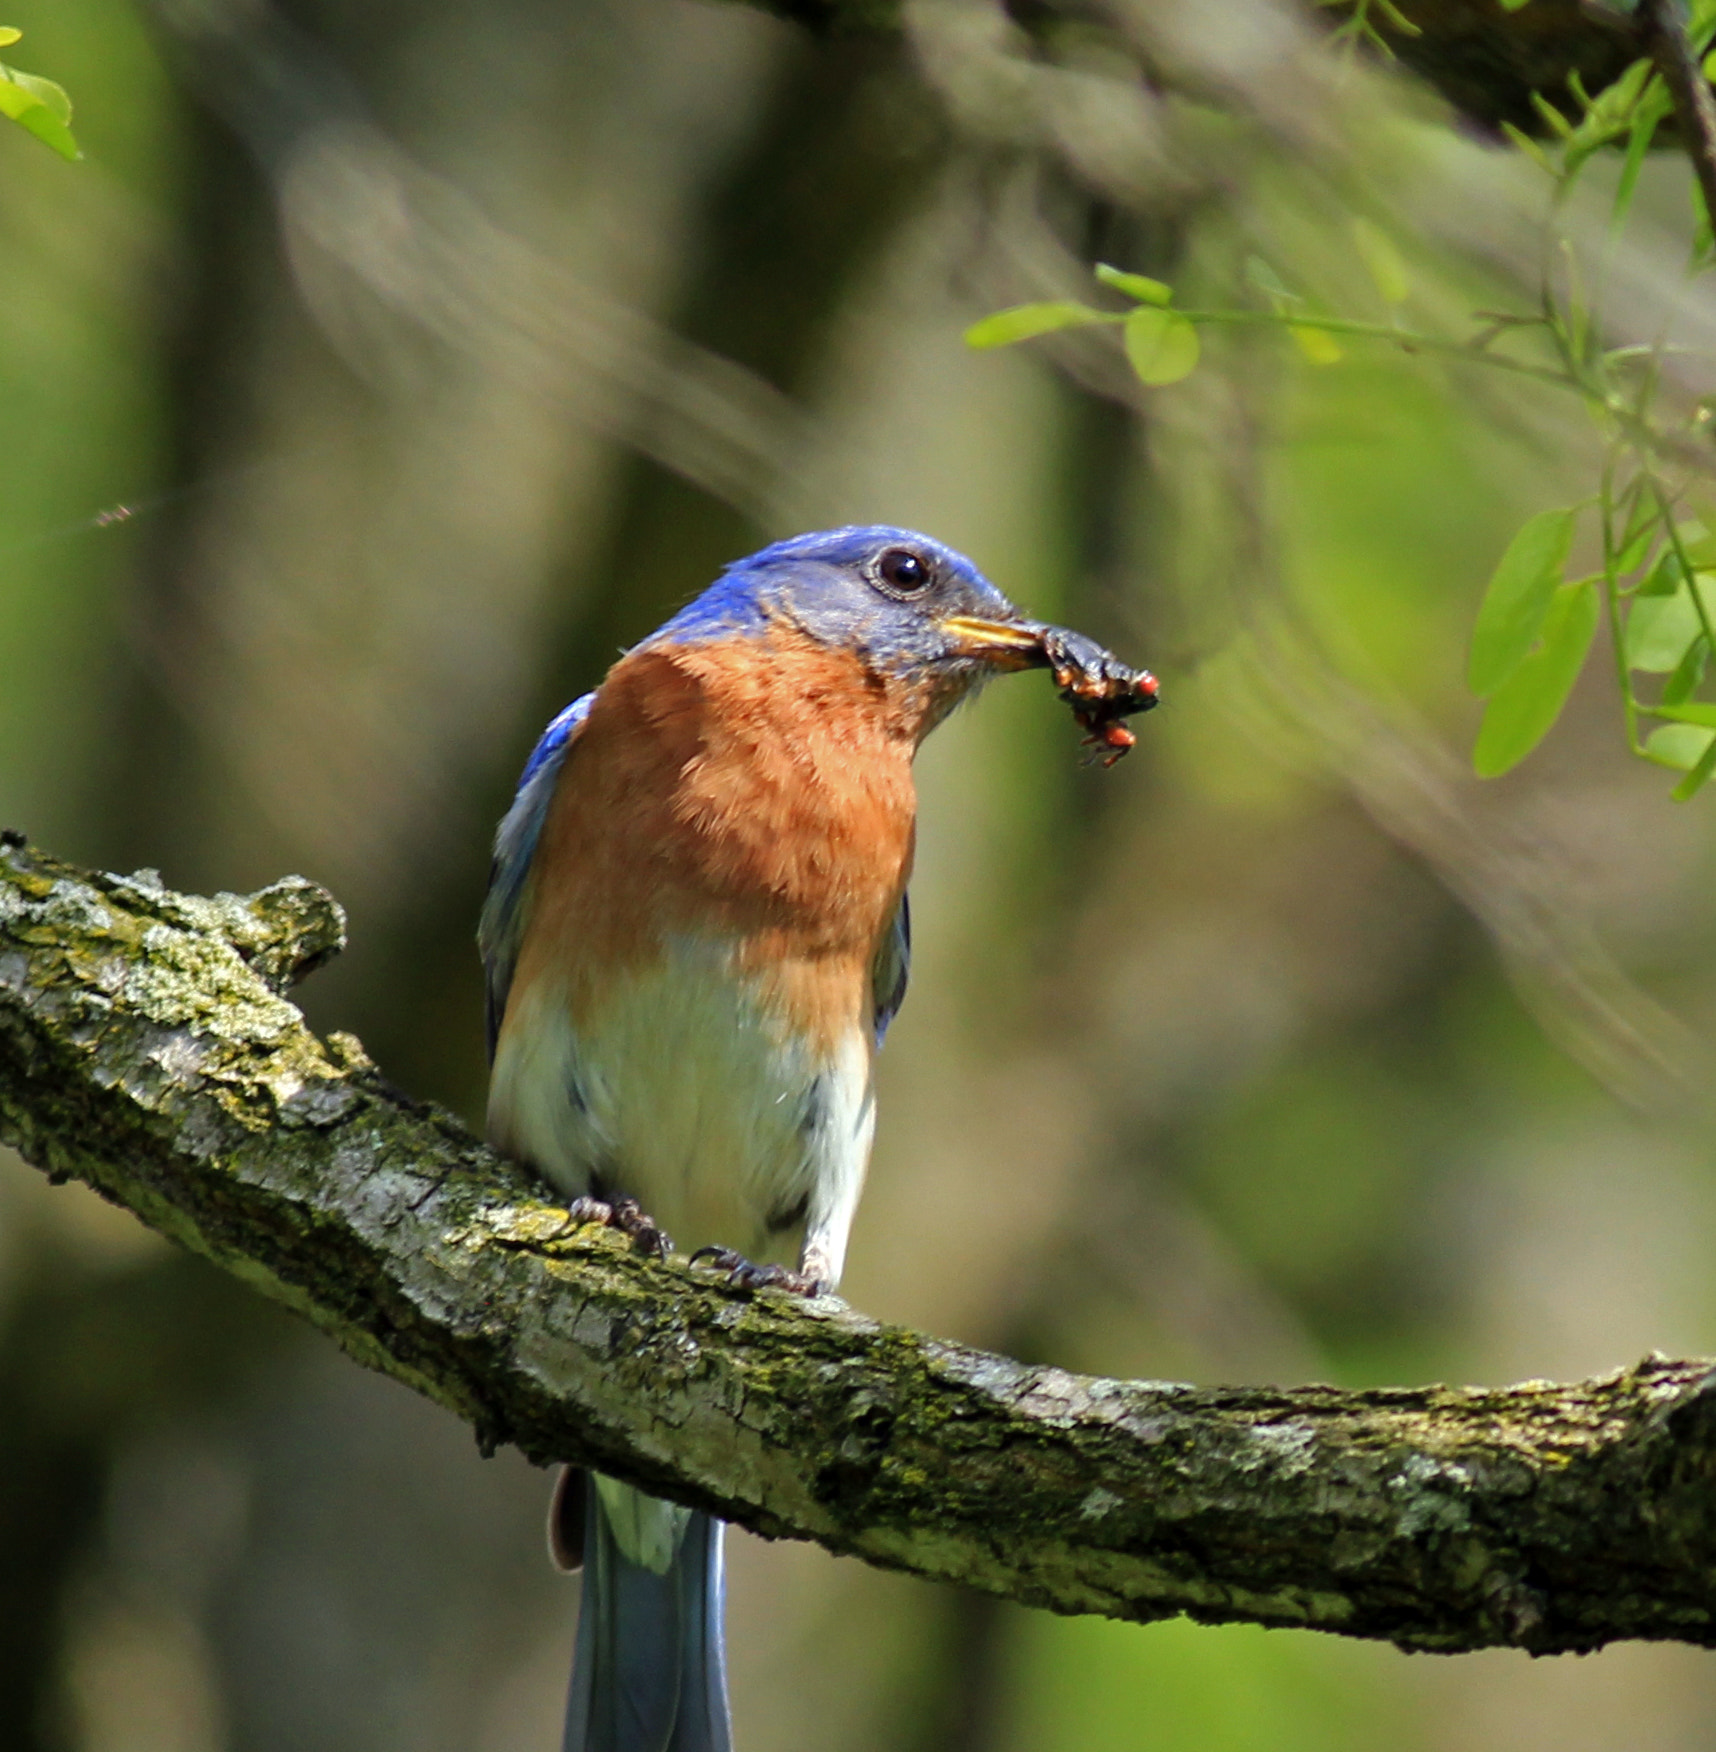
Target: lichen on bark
column 146, row 1047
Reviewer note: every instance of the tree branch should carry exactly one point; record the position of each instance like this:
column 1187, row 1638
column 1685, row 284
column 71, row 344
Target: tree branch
column 145, row 1048
column 1485, row 59
column 1663, row 26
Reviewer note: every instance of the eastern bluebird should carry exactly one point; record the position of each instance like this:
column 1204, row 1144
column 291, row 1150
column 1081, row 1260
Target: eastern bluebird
column 696, row 935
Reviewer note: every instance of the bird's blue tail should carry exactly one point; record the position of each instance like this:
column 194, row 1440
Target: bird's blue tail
column 649, row 1673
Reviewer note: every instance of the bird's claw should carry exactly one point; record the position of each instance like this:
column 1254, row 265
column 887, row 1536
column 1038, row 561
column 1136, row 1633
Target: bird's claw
column 745, row 1275
column 628, row 1216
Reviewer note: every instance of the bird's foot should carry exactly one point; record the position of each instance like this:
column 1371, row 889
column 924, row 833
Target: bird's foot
column 626, row 1215
column 743, row 1274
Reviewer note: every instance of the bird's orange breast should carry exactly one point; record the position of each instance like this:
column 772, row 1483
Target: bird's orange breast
column 753, row 790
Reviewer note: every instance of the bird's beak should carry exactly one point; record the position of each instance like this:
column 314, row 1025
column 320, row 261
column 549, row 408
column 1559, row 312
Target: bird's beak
column 1006, row 644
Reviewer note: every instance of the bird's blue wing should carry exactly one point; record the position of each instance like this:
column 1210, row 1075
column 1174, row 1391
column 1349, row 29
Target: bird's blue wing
column 892, row 968
column 502, row 924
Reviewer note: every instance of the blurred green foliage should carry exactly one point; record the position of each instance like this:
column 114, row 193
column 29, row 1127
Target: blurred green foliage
column 36, row 104
column 342, row 448
column 1095, row 1688
column 1535, row 628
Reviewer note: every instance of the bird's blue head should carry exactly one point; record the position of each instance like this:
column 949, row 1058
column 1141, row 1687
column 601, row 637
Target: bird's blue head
column 906, row 605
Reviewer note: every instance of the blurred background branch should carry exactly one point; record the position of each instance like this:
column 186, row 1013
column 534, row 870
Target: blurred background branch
column 1485, row 58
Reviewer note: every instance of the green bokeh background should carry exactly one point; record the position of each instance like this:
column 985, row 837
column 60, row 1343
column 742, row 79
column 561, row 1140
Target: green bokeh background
column 336, row 456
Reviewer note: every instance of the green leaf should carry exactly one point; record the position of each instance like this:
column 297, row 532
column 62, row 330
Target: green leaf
column 1660, row 628
column 1617, row 101
column 1520, row 591
column 1398, row 19
column 8, row 36
column 1656, row 101
column 1699, row 712
column 1139, row 286
column 1678, row 745
column 39, row 105
column 1688, row 673
column 1607, row 114
column 1382, row 261
column 1644, row 523
column 1636, row 551
column 1665, row 577
column 45, row 92
column 1647, row 510
column 1025, row 321
column 1558, row 122
column 1162, row 344
column 1697, row 543
column 1529, row 147
column 1318, row 345
column 1268, row 282
column 1699, row 777
column 1513, row 5
column 1524, row 707
column 1646, row 120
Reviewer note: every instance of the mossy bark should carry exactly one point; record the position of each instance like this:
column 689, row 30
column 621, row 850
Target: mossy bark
column 145, row 1047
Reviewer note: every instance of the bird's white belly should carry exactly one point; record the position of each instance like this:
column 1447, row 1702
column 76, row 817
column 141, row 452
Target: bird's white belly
column 683, row 1091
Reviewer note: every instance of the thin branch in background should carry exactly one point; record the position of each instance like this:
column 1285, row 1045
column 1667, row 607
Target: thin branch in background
column 1663, row 24
column 361, row 214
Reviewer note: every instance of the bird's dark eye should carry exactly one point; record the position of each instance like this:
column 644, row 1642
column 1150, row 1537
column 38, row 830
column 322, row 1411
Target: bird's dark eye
column 902, row 570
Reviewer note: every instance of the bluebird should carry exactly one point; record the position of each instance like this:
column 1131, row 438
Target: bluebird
column 695, row 938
